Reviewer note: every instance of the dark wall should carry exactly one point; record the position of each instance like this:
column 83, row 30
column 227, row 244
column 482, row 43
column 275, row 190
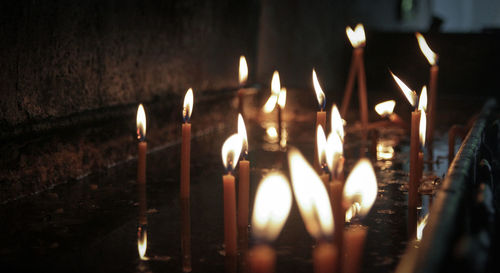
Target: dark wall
column 63, row 57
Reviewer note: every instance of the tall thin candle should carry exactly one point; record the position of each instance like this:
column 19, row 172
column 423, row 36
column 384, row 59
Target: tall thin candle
column 244, row 177
column 320, row 115
column 231, row 150
column 187, row 110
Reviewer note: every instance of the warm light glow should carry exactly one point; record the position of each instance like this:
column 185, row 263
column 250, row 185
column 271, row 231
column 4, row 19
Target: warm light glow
column 141, row 123
column 282, row 98
column 420, row 227
column 142, row 243
column 356, row 36
column 410, row 94
column 320, row 95
column 384, row 152
column 422, row 127
column 334, row 151
column 243, row 72
column 312, row 198
column 428, row 53
column 352, row 211
column 321, row 145
column 242, row 131
column 272, row 133
column 385, row 108
column 422, row 101
column 272, row 206
column 231, row 152
column 361, row 187
column 188, row 105
column 275, row 84
column 270, row 104
column 337, row 122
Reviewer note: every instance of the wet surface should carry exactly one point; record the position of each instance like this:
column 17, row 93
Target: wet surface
column 91, row 225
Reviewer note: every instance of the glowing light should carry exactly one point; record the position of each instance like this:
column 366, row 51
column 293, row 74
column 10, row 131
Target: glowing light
column 312, row 198
column 320, row 95
column 275, row 83
column 142, row 243
column 334, row 151
column 187, row 110
column 242, row 131
column 270, row 104
column 385, row 108
column 321, row 145
column 411, row 95
column 337, row 122
column 422, row 127
column 357, row 36
column 384, row 152
column 243, row 71
column 361, row 187
column 426, row 50
column 272, row 206
column 420, row 227
column 231, row 152
column 141, row 123
column 422, row 101
column 282, row 98
column 272, row 133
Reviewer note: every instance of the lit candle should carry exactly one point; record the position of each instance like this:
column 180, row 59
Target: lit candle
column 141, row 163
column 281, row 109
column 244, row 177
column 142, row 243
column 231, row 150
column 242, row 80
column 422, row 135
column 414, row 148
column 358, row 41
column 360, row 192
column 420, row 227
column 269, row 215
column 186, row 143
column 432, row 58
column 320, row 115
column 315, row 209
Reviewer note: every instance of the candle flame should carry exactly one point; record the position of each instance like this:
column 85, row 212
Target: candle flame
column 275, row 83
column 357, row 36
column 272, row 206
column 420, row 227
column 411, row 95
column 422, row 101
column 334, row 151
column 242, row 131
column 188, row 105
column 321, row 145
column 320, row 95
column 385, row 108
column 361, row 187
column 142, row 242
column 422, row 127
column 243, row 71
column 272, row 133
column 231, row 152
column 337, row 122
column 352, row 211
column 282, row 98
column 312, row 198
column 424, row 47
column 270, row 104
column 141, row 123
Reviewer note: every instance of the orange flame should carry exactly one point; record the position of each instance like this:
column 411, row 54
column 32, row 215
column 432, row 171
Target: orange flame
column 275, row 91
column 271, row 209
column 141, row 123
column 242, row 131
column 424, row 47
column 187, row 110
column 337, row 122
column 385, row 108
column 361, row 188
column 312, row 198
column 320, row 95
column 357, row 36
column 411, row 95
column 243, row 71
column 282, row 98
column 334, row 151
column 231, row 150
column 321, row 145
